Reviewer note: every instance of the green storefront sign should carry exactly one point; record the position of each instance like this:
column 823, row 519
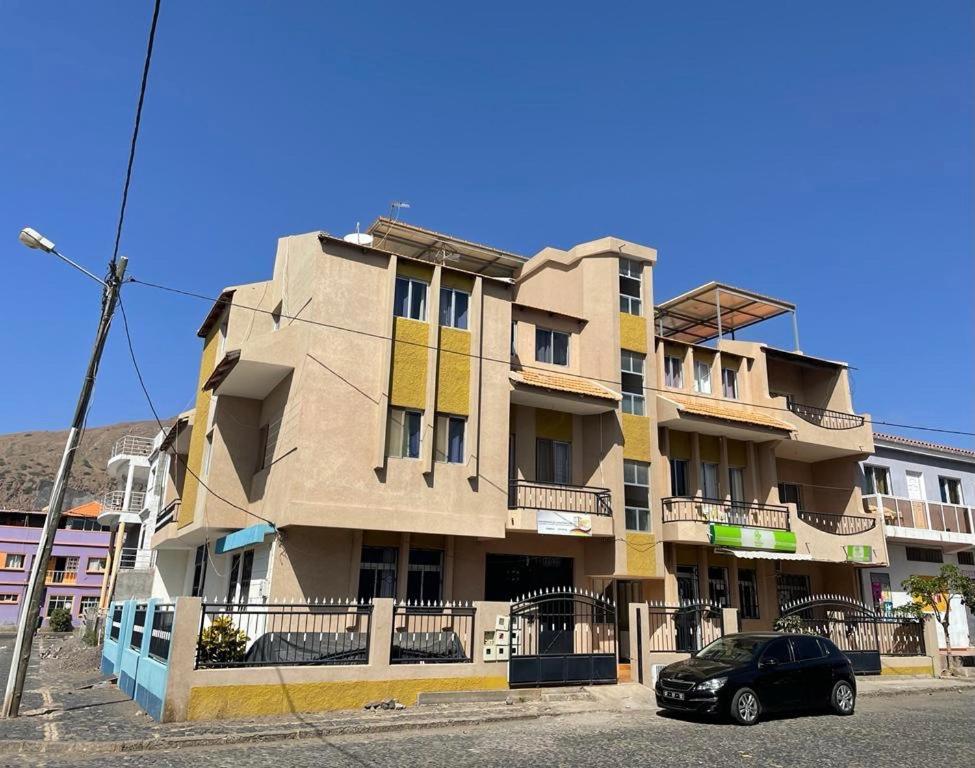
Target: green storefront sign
column 859, row 553
column 741, row 537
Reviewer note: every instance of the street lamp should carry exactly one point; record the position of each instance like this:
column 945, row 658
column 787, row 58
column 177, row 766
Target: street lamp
column 27, row 624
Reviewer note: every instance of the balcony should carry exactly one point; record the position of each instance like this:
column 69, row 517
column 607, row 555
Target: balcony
column 683, row 509
column 135, row 559
column 838, row 525
column 115, row 510
column 61, row 577
column 825, row 418
column 576, row 510
column 130, row 445
column 917, row 521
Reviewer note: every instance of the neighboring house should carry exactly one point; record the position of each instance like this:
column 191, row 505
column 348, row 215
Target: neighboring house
column 456, row 422
column 76, row 570
column 925, row 493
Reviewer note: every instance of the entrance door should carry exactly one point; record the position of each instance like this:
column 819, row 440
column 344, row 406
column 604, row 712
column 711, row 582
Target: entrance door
column 510, row 577
column 915, row 492
column 688, row 591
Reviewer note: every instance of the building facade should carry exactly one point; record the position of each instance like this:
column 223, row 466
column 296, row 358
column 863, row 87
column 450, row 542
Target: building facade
column 924, row 492
column 77, row 568
column 416, row 416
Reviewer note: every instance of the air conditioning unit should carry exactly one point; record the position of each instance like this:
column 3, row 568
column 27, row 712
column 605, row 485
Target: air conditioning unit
column 654, row 672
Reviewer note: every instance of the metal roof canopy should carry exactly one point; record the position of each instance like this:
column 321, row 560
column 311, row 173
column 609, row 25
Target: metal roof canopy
column 419, row 243
column 708, row 311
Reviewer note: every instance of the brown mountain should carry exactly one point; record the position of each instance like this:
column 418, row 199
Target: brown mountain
column 29, row 461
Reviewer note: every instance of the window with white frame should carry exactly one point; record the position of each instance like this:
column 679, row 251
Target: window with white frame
column 54, row 602
column 403, row 434
column 729, row 383
column 551, row 346
column 950, row 490
column 424, row 575
column 877, row 479
column 673, row 372
column 88, row 604
column 702, row 377
column 636, row 494
column 449, row 436
column 410, row 299
column 9, row 598
column 631, row 377
column 96, row 564
column 453, row 308
column 14, row 562
column 377, row 572
column 631, row 283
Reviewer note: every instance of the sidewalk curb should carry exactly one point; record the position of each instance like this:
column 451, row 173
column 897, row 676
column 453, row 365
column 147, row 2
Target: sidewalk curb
column 902, row 690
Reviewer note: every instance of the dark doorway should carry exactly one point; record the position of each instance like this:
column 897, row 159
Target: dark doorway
column 509, row 577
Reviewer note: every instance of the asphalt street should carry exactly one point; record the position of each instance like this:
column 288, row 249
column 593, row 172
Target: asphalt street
column 886, row 732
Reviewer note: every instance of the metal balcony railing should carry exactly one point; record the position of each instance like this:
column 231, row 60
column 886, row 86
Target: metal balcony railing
column 683, row 509
column 918, row 513
column 133, row 558
column 583, row 499
column 114, row 501
column 840, row 525
column 131, row 445
column 825, row 418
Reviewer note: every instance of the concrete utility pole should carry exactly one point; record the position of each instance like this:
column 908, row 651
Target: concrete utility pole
column 27, row 626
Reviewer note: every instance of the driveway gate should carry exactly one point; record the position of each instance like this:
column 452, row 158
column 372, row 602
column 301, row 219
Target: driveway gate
column 562, row 637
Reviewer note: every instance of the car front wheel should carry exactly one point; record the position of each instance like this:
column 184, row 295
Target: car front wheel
column 843, row 699
column 745, row 707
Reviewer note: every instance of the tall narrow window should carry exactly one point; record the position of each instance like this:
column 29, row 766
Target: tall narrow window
column 553, row 461
column 747, row 593
column 678, row 478
column 453, row 308
column 424, row 575
column 631, row 281
column 207, row 452
column 636, row 493
column 410, row 299
column 403, row 434
column 551, row 346
column 673, row 372
column 199, row 571
column 632, row 382
column 702, row 377
column 241, row 569
column 729, row 383
column 709, row 480
column 877, row 479
column 718, row 586
column 377, row 572
column 736, row 482
column 449, row 445
column 950, row 490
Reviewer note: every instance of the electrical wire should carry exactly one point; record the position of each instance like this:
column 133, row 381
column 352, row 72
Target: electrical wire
column 507, row 363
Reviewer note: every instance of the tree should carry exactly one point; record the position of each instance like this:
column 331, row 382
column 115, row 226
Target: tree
column 933, row 594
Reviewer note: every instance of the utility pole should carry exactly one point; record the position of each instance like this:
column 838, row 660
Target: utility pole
column 27, row 626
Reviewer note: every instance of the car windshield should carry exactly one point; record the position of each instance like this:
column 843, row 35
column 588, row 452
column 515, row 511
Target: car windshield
column 732, row 650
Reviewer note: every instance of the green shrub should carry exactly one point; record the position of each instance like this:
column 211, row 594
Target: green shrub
column 793, row 624
column 222, row 642
column 59, row 620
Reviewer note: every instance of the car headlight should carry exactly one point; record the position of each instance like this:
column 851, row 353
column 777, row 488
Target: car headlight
column 711, row 685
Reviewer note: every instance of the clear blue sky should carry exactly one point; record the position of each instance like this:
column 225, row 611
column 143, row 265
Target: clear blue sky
column 821, row 152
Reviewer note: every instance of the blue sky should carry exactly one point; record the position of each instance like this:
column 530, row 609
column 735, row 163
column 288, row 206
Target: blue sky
column 820, row 152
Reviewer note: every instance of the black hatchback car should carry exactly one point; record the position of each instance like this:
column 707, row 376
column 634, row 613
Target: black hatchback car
column 748, row 674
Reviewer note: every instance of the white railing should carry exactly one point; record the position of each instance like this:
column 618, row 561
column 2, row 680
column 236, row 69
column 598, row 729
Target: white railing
column 114, row 501
column 133, row 558
column 918, row 513
column 130, row 445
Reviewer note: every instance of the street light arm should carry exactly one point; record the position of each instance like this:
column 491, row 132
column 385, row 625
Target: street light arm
column 80, row 268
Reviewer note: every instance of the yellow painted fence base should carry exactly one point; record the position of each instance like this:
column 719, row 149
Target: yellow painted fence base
column 237, row 701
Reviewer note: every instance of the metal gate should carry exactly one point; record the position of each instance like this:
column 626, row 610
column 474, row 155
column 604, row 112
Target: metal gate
column 855, row 629
column 562, row 637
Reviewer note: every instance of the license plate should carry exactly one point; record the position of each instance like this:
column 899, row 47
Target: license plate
column 674, row 695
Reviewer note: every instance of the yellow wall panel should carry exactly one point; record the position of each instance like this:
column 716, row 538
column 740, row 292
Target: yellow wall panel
column 457, row 280
column 737, row 456
column 406, row 268
column 641, row 554
column 454, row 372
column 409, row 380
column 633, row 333
column 636, row 437
column 553, row 425
column 710, row 448
column 680, row 445
column 201, row 418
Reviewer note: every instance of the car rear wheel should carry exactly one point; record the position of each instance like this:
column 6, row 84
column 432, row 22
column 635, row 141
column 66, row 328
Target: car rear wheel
column 745, row 707
column 843, row 699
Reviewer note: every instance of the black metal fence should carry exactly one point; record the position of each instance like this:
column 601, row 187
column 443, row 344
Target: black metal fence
column 684, row 628
column 824, row 417
column 115, row 623
column 888, row 636
column 138, row 627
column 285, row 634
column 161, row 634
column 586, row 500
column 839, row 525
column 432, row 634
column 685, row 509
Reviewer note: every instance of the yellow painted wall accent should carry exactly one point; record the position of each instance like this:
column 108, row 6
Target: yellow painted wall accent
column 410, row 340
column 234, row 701
column 736, row 453
column 641, row 554
column 680, row 445
column 194, row 460
column 406, row 268
column 913, row 671
column 458, row 280
column 553, row 425
column 633, row 332
column 636, row 437
column 454, row 372
column 710, row 448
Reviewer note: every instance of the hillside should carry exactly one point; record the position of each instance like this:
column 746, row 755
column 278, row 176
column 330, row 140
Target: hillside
column 29, row 461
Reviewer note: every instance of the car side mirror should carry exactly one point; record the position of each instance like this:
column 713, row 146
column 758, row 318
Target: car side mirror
column 768, row 663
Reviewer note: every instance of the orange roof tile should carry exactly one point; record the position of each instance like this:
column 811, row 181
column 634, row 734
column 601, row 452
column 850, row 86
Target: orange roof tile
column 91, row 509
column 575, row 385
column 721, row 409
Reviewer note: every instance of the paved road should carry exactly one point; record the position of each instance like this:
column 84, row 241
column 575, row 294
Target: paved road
column 886, row 732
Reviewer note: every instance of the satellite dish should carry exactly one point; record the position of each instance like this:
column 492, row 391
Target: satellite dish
column 358, row 238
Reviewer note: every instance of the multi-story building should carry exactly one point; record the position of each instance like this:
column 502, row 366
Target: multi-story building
column 413, row 415
column 76, row 570
column 924, row 492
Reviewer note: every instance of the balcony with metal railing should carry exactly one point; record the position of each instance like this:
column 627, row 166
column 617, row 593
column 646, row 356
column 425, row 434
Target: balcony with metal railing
column 685, row 509
column 134, row 558
column 61, row 577
column 920, row 521
column 116, row 509
column 132, row 445
column 824, row 417
column 838, row 524
column 543, row 507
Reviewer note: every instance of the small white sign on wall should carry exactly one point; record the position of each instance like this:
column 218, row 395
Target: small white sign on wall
column 563, row 523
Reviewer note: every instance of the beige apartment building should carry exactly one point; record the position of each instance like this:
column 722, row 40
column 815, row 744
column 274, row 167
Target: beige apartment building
column 411, row 415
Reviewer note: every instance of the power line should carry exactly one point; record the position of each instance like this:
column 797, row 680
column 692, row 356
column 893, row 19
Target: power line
column 155, row 414
column 507, row 363
column 135, row 130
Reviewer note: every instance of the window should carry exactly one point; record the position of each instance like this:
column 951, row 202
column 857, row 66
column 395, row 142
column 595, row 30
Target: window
column 13, row 562
column 718, row 592
column 96, row 564
column 678, row 477
column 673, row 372
column 88, row 604
column 924, row 554
column 790, row 493
column 8, row 598
column 551, row 347
column 709, row 480
column 453, row 308
column 779, row 651
column 377, row 572
column 241, row 569
column 59, row 601
column 736, row 482
column 702, row 377
column 747, row 593
column 514, row 337
column 636, row 493
column 966, row 558
column 449, row 445
column 553, row 461
column 729, row 383
column 207, row 452
column 199, row 571
column 807, row 648
column 424, row 575
column 792, row 586
column 877, row 479
column 631, row 280
column 411, row 299
column 632, row 380
column 403, row 435
column 71, row 564
column 268, row 442
column 950, row 490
